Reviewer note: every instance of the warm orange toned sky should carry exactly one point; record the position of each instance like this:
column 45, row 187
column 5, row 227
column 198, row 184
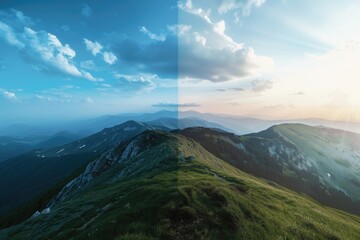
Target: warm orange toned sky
column 298, row 59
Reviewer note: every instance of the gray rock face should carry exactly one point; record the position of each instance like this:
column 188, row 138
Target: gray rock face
column 131, row 150
column 44, row 211
column 96, row 167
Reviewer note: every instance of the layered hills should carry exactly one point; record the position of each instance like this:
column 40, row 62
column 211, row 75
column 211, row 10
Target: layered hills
column 146, row 181
column 162, row 185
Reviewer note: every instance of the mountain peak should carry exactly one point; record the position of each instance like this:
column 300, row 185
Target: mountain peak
column 167, row 181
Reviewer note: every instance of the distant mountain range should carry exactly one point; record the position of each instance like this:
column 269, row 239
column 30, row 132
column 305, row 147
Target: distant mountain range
column 20, row 138
column 233, row 123
column 245, row 125
column 11, row 146
column 14, row 146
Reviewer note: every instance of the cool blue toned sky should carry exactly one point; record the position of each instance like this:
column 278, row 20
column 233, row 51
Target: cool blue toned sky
column 71, row 59
column 61, row 60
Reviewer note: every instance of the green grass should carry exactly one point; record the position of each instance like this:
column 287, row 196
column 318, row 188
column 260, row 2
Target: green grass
column 178, row 190
column 333, row 150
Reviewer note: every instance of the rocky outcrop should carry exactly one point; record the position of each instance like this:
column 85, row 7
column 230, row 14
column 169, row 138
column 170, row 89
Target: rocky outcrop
column 98, row 166
column 38, row 213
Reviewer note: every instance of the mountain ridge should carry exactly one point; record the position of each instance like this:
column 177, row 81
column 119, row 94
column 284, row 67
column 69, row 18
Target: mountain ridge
column 293, row 163
column 175, row 189
column 43, row 168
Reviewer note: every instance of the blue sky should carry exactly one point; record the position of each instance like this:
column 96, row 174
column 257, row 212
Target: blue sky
column 61, row 60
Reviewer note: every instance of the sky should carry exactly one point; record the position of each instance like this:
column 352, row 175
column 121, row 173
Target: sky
column 64, row 60
column 271, row 59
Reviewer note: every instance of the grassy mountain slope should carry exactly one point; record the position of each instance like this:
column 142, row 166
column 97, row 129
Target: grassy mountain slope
column 172, row 188
column 10, row 147
column 60, row 138
column 25, row 177
column 272, row 155
column 334, row 153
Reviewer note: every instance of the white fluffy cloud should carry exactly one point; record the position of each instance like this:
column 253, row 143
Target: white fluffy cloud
column 179, row 29
column 206, row 52
column 109, row 58
column 51, row 51
column 8, row 34
column 44, row 49
column 138, row 82
column 199, row 38
column 96, row 48
column 151, row 35
column 93, row 47
column 188, row 7
column 239, row 7
column 8, row 95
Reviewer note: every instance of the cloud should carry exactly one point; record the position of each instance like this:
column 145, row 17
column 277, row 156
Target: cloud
column 17, row 18
column 238, row 89
column 86, row 10
column 151, row 35
column 109, row 58
column 40, row 48
column 179, row 29
column 69, row 87
column 96, row 48
column 199, row 38
column 279, row 106
column 63, row 98
column 8, row 95
column 219, row 65
column 260, row 85
column 191, row 55
column 93, row 47
column 176, row 105
column 160, row 58
column 8, row 34
column 199, row 12
column 62, row 94
column 228, row 89
column 47, row 47
column 43, row 98
column 89, row 100
column 208, row 53
column 138, row 83
column 239, row 7
column 201, row 51
column 55, row 97
column 88, row 64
